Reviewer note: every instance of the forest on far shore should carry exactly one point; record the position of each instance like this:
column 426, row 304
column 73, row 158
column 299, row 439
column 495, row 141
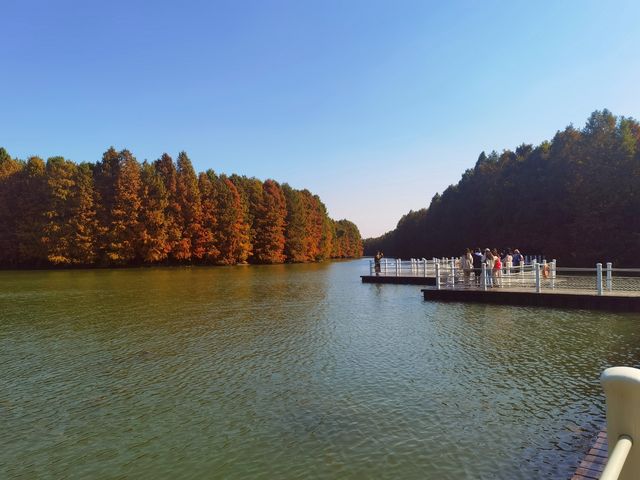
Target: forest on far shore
column 122, row 212
column 575, row 198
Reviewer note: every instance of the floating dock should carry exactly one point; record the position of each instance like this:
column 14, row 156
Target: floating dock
column 563, row 298
column 601, row 287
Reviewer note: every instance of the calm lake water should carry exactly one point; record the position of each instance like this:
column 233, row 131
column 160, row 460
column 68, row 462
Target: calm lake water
column 295, row 371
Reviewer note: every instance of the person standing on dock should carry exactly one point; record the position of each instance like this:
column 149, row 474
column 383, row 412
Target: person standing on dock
column 376, row 261
column 489, row 261
column 497, row 269
column 518, row 261
column 546, row 270
column 508, row 262
column 477, row 266
column 466, row 263
column 517, row 258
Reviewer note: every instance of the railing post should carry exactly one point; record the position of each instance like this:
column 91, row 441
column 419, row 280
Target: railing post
column 424, row 262
column 553, row 273
column 437, row 265
column 453, row 272
column 397, row 268
column 621, row 387
column 599, row 278
column 371, row 268
column 537, row 270
column 385, row 266
column 609, row 275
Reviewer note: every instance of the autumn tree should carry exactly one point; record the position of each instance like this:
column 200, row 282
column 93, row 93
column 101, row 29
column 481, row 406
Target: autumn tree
column 166, row 169
column 83, row 222
column 348, row 243
column 190, row 216
column 30, row 226
column 207, row 183
column 232, row 236
column 118, row 184
column 10, row 212
column 269, row 225
column 296, row 225
column 251, row 198
column 152, row 247
column 58, row 230
column 314, row 226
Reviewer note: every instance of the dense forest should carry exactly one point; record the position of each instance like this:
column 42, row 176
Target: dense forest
column 575, row 198
column 120, row 212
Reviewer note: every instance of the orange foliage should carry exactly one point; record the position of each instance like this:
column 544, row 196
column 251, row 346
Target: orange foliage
column 119, row 212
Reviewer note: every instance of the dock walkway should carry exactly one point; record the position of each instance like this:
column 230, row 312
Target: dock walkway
column 593, row 463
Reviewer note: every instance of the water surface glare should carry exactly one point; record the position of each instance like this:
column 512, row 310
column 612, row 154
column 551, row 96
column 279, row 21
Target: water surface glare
column 296, row 371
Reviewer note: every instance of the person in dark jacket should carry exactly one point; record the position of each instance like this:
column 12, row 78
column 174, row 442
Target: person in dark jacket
column 518, row 259
column 477, row 265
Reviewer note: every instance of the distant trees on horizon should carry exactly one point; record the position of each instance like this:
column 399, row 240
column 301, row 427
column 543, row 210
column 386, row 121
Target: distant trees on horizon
column 575, row 198
column 120, row 212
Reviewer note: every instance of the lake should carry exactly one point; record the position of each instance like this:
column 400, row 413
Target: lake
column 291, row 371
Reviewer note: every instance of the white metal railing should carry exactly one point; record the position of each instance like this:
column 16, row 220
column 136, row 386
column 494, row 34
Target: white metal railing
column 622, row 390
column 418, row 267
column 538, row 276
column 616, row 460
column 396, row 267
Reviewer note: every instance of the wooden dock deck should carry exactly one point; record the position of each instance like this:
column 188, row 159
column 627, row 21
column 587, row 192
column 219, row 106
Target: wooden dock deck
column 563, row 298
column 592, row 465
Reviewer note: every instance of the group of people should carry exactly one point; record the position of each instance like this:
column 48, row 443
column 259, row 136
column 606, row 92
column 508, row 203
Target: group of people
column 495, row 263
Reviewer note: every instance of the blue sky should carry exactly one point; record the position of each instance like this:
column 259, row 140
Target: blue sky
column 373, row 105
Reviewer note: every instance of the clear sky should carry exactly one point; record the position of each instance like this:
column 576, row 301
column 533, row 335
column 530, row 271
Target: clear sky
column 373, row 105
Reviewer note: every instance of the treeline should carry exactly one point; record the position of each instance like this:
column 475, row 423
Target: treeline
column 120, row 212
column 575, row 198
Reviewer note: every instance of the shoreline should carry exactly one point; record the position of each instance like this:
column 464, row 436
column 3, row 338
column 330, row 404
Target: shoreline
column 161, row 265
